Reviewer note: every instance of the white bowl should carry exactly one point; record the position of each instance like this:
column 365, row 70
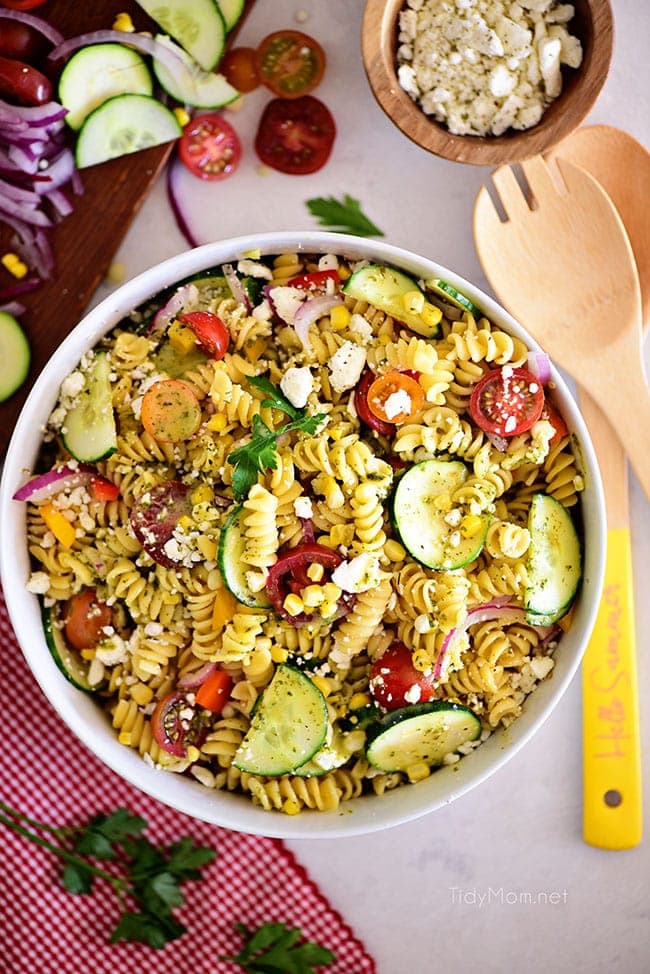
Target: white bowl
column 86, row 719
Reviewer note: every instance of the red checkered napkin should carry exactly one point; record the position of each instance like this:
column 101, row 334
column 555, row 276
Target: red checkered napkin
column 48, row 774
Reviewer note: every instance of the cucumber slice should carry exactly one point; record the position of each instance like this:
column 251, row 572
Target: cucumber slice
column 423, row 528
column 72, row 665
column 233, row 571
column 15, row 355
column 424, row 732
column 231, row 11
column 385, row 287
column 197, row 25
column 95, row 74
column 191, row 85
column 211, row 289
column 168, row 360
column 288, row 726
column 124, row 124
column 447, row 291
column 554, row 561
column 89, row 426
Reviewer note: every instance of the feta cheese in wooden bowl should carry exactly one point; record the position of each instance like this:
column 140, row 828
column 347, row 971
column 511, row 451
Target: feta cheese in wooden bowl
column 487, row 82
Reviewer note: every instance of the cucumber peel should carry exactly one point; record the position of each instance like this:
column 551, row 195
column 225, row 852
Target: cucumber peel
column 421, row 733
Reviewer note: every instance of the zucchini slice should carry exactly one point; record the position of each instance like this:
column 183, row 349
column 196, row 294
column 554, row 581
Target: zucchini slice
column 90, row 432
column 191, row 85
column 385, row 288
column 423, row 527
column 447, row 291
column 422, row 733
column 71, row 663
column 288, row 726
column 554, row 561
column 99, row 72
column 124, row 124
column 233, row 571
column 197, row 25
column 15, row 355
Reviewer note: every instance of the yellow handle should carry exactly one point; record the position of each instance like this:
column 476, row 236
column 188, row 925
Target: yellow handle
column 611, row 746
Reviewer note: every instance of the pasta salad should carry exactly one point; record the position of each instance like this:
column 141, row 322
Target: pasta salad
column 306, row 527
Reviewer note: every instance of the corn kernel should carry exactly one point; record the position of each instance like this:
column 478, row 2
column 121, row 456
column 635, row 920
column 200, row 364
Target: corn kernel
column 344, row 272
column 470, row 525
column 313, row 595
column 413, row 301
column 116, row 272
column 124, row 737
column 291, row 806
column 328, row 609
column 279, row 654
column 315, row 572
column 217, row 423
column 359, row 700
column 203, row 494
column 442, row 502
column 418, row 772
column 293, row 604
column 253, row 254
column 394, row 550
column 421, row 660
column 185, row 521
column 224, row 608
column 193, row 753
column 332, row 591
column 339, row 317
column 60, row 527
column 385, row 339
column 13, row 264
column 142, row 694
column 87, row 654
column 182, row 116
column 181, row 338
column 430, row 314
column 323, row 684
column 123, row 22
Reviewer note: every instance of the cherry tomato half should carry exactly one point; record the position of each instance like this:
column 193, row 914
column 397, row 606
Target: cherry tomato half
column 296, row 136
column 507, row 401
column 289, row 575
column 290, row 63
column 394, row 681
column 210, row 147
column 316, row 280
column 211, row 333
column 155, row 515
column 176, row 724
column 551, row 413
column 84, row 619
column 395, row 397
column 239, row 69
column 363, row 409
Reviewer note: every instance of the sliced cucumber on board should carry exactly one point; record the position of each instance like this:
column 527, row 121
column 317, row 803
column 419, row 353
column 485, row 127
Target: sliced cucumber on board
column 191, row 85
column 73, row 666
column 554, row 561
column 385, row 288
column 124, row 124
column 15, row 355
column 423, row 527
column 99, row 72
column 231, row 11
column 89, row 432
column 229, row 557
column 197, row 25
column 288, row 726
column 422, row 733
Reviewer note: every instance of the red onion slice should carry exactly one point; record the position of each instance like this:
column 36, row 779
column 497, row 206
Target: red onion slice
column 190, row 681
column 187, row 294
column 236, row 286
column 13, row 308
column 20, row 287
column 174, row 172
column 144, row 44
column 310, row 311
column 51, row 33
column 46, row 485
column 540, row 365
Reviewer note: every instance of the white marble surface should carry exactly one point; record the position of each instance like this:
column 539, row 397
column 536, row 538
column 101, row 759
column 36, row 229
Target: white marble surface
column 501, row 880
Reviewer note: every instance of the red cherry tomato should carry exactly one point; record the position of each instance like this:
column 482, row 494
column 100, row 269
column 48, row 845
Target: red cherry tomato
column 295, row 136
column 551, row 413
column 211, row 333
column 104, row 490
column 210, row 147
column 84, row 619
column 289, row 575
column 21, row 41
column 290, row 63
column 23, row 84
column 155, row 515
column 363, row 410
column 507, row 401
column 316, row 281
column 394, row 681
column 239, row 69
column 22, row 4
column 393, row 384
column 176, row 724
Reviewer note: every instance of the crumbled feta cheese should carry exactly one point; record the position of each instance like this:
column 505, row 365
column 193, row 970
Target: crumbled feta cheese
column 72, row 384
column 541, row 666
column 38, row 583
column 253, row 268
column 286, row 301
column 397, row 403
column 346, row 366
column 413, row 694
column 358, row 325
column 360, row 574
column 303, row 507
column 296, row 384
column 262, row 311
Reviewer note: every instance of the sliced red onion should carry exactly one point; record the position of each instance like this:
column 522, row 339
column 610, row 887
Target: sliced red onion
column 20, row 287
column 59, row 171
column 42, row 26
column 46, row 485
column 18, row 193
column 307, row 529
column 310, row 311
column 28, row 214
column 500, row 443
column 142, row 43
column 36, row 116
column 13, row 308
column 190, row 681
column 236, row 286
column 174, row 172
column 187, row 294
column 540, row 365
column 60, row 202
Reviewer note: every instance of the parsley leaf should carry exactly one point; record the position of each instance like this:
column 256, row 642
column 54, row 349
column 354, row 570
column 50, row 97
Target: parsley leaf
column 276, row 947
column 343, row 216
column 147, row 928
column 77, row 878
column 276, row 398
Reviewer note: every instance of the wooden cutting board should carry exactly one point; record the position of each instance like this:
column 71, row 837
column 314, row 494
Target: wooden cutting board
column 85, row 242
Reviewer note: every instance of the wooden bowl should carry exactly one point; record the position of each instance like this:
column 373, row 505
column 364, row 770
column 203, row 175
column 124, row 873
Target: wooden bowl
column 592, row 24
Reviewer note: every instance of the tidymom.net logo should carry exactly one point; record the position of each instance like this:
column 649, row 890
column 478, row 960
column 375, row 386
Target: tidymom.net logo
column 473, row 896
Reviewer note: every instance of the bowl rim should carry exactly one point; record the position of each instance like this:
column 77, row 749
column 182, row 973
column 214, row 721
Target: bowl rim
column 85, row 718
column 378, row 32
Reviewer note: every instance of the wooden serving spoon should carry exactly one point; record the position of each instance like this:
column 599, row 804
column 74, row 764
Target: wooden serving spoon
column 612, row 797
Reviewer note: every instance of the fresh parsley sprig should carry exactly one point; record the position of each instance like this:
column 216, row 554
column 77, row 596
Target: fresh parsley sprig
column 343, row 216
column 260, row 453
column 275, row 947
column 149, row 877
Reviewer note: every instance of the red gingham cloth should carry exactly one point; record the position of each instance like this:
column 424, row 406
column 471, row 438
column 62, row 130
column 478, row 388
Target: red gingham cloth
column 48, row 774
